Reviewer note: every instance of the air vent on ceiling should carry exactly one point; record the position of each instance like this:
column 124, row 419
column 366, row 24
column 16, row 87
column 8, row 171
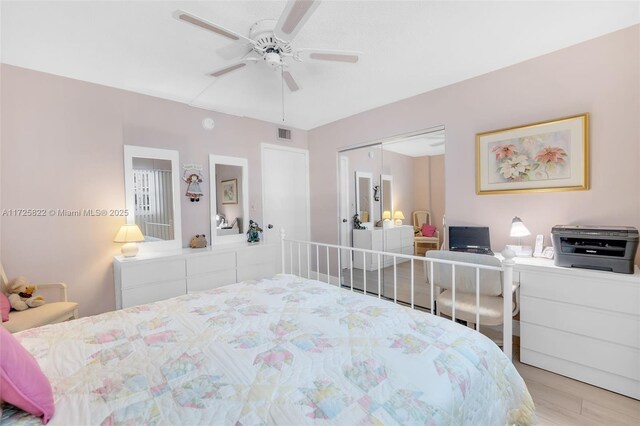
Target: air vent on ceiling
column 284, row 134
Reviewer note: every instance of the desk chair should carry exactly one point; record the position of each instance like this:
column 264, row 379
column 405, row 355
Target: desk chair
column 420, row 217
column 491, row 299
column 49, row 313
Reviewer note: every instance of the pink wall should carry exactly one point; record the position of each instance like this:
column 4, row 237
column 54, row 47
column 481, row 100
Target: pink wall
column 428, row 187
column 62, row 145
column 599, row 76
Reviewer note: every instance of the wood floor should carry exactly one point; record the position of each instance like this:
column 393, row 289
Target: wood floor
column 562, row 401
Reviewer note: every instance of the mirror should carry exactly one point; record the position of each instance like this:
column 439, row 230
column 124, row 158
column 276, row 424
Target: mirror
column 152, row 187
column 364, row 197
column 387, row 196
column 229, row 198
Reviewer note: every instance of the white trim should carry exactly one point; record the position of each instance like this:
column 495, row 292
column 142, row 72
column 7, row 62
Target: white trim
column 131, row 151
column 213, row 206
column 390, row 179
column 343, row 194
column 303, row 151
column 365, row 175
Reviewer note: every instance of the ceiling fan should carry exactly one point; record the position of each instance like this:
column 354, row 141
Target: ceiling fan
column 270, row 41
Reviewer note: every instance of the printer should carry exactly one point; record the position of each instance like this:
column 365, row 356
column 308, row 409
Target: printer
column 605, row 248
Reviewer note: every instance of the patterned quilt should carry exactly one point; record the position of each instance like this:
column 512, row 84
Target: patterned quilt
column 285, row 351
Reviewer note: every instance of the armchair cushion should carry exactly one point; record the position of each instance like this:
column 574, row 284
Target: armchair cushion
column 490, row 307
column 48, row 313
column 5, row 307
column 428, row 230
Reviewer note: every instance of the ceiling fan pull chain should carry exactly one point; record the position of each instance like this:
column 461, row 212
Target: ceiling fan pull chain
column 282, row 88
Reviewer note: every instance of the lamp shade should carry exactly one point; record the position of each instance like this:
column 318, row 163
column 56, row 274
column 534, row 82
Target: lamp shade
column 129, row 234
column 518, row 229
column 386, row 214
column 398, row 215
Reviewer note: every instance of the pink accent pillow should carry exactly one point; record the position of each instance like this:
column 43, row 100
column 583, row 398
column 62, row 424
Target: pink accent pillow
column 428, row 230
column 5, row 307
column 22, row 383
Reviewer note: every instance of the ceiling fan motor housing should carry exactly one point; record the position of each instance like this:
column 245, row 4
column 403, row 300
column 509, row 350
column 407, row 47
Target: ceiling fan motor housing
column 267, row 43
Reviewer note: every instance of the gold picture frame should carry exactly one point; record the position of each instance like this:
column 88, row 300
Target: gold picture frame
column 229, row 191
column 546, row 156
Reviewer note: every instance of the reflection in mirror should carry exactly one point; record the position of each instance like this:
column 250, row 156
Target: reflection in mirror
column 153, row 197
column 229, row 198
column 411, row 172
column 229, row 217
column 151, row 186
column 364, row 197
column 387, row 196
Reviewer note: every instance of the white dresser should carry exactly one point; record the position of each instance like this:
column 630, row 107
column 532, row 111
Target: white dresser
column 580, row 323
column 161, row 275
column 398, row 239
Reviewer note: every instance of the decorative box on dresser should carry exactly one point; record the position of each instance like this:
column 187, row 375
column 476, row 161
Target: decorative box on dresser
column 581, row 323
column 157, row 276
column 398, row 239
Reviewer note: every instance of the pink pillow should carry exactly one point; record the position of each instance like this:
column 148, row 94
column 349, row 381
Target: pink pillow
column 5, row 307
column 428, row 230
column 22, row 383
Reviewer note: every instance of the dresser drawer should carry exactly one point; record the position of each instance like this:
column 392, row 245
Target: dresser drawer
column 210, row 281
column 608, row 326
column 392, row 239
column 210, row 263
column 153, row 292
column 139, row 274
column 259, row 254
column 600, row 292
column 594, row 353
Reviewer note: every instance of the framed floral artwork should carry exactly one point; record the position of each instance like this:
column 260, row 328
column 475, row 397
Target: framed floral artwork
column 229, row 191
column 546, row 156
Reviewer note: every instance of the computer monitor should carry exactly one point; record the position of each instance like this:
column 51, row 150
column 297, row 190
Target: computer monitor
column 464, row 237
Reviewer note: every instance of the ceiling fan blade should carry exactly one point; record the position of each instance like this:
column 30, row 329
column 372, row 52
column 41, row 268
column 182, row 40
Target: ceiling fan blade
column 228, row 69
column 329, row 55
column 291, row 82
column 293, row 18
column 206, row 25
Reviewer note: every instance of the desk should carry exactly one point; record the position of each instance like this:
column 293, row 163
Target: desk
column 581, row 323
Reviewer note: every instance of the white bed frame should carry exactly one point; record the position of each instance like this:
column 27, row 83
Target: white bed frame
column 506, row 269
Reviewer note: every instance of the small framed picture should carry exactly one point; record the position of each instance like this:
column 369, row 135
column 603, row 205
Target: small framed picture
column 229, row 191
column 538, row 157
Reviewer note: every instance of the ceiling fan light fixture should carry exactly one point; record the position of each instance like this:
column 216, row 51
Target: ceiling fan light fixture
column 273, row 59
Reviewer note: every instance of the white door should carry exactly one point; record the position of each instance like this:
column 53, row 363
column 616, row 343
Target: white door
column 345, row 220
column 285, row 201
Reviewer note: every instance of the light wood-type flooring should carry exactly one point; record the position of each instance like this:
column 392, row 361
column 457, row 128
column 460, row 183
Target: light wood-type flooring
column 563, row 401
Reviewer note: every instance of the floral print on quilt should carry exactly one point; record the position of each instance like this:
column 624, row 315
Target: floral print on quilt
column 280, row 351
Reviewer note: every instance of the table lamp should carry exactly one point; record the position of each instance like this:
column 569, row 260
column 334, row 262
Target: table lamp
column 386, row 218
column 130, row 235
column 398, row 216
column 519, row 230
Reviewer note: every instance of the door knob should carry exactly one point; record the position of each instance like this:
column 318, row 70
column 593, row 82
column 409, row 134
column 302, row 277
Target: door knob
column 344, row 220
column 270, row 226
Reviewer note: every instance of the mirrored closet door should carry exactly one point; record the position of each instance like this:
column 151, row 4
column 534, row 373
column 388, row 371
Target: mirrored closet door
column 397, row 206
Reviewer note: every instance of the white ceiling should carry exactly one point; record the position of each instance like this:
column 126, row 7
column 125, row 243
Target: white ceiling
column 409, row 47
column 425, row 144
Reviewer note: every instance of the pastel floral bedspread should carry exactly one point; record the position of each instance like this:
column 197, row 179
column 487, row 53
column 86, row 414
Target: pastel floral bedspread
column 285, row 351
